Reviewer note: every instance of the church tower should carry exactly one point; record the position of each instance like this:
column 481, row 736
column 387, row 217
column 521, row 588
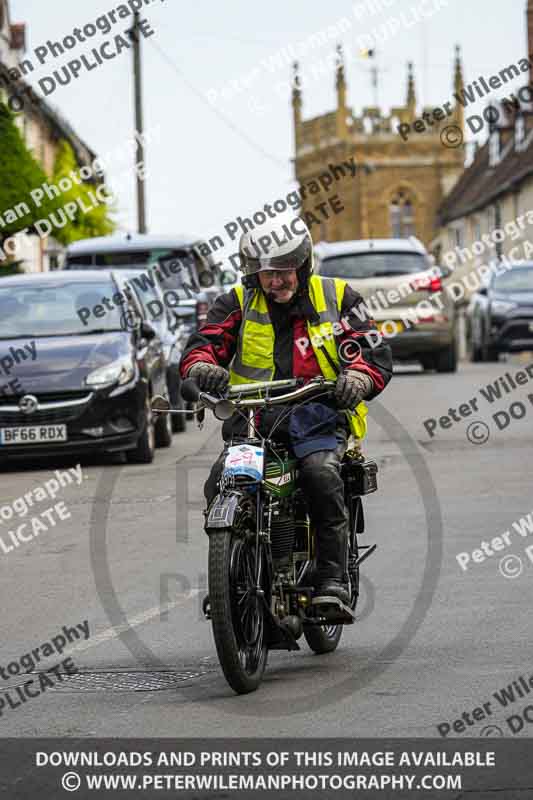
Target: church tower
column 398, row 184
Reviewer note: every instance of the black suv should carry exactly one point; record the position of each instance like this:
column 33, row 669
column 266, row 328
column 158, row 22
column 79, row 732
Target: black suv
column 500, row 314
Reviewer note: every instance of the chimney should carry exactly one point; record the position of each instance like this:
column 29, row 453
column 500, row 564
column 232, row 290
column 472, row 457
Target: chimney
column 18, row 36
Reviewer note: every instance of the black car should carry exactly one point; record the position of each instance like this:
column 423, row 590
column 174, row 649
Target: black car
column 173, row 331
column 500, row 314
column 73, row 377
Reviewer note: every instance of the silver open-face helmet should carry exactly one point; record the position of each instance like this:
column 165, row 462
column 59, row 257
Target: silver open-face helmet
column 277, row 244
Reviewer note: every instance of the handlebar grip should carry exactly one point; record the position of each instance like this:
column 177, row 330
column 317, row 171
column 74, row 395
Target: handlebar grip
column 190, row 391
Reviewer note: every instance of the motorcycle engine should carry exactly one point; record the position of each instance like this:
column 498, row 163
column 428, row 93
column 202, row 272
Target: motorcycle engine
column 282, row 532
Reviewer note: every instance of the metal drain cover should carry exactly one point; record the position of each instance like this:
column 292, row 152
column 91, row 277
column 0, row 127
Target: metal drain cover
column 126, row 681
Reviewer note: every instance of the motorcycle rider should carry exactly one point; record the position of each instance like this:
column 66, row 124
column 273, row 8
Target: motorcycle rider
column 285, row 322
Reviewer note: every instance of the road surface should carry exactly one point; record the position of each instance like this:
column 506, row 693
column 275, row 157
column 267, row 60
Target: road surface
column 434, row 641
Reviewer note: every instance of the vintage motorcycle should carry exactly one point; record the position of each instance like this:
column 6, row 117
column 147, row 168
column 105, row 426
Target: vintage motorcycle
column 261, row 540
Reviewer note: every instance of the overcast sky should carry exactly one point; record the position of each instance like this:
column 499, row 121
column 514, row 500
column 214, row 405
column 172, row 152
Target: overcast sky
column 212, row 163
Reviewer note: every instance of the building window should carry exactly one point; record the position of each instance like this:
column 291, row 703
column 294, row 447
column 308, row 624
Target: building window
column 476, row 229
column 491, row 219
column 458, row 235
column 516, row 203
column 401, row 216
column 498, row 224
column 519, row 131
column 494, row 148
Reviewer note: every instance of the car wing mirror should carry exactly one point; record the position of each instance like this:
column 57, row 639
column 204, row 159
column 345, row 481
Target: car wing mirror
column 147, row 331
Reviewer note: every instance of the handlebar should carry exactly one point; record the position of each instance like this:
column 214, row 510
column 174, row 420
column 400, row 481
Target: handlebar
column 223, row 408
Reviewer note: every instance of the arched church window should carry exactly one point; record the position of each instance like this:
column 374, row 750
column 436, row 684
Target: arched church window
column 402, row 220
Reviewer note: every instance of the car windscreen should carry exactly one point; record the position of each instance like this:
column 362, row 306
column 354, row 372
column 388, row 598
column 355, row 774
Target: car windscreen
column 44, row 309
column 373, row 265
column 125, row 259
column 113, row 260
column 518, row 280
column 177, row 271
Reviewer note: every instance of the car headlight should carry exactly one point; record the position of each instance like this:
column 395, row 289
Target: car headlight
column 120, row 372
column 502, row 306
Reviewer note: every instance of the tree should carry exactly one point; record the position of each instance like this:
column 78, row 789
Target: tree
column 19, row 174
column 95, row 221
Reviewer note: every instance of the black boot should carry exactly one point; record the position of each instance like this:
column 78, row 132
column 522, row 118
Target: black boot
column 324, row 490
column 332, row 587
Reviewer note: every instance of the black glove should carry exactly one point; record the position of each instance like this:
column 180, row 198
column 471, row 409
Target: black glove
column 352, row 386
column 209, row 377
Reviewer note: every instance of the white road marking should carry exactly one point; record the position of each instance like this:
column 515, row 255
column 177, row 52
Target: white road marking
column 134, row 622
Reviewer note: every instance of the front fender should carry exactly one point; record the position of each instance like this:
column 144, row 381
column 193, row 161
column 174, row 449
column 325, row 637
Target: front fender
column 223, row 510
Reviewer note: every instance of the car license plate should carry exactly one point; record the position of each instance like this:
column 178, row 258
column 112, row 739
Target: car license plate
column 391, row 327
column 36, row 434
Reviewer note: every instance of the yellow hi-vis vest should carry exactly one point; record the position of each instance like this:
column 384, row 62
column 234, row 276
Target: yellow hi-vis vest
column 254, row 356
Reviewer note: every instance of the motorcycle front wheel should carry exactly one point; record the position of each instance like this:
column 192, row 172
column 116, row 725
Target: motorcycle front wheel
column 238, row 606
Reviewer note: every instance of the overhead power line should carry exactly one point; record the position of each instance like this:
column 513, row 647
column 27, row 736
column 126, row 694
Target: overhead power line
column 198, row 92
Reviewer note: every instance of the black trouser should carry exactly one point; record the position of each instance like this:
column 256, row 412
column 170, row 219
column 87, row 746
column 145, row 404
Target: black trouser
column 320, row 480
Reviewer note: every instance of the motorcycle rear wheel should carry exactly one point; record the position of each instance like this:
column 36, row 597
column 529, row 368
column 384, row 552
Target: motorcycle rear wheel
column 237, row 610
column 325, row 638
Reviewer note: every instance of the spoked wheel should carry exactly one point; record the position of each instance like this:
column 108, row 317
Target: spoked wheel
column 325, row 638
column 354, row 573
column 238, row 607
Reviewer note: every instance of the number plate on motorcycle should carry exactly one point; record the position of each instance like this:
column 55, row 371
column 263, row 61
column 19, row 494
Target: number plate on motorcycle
column 245, row 459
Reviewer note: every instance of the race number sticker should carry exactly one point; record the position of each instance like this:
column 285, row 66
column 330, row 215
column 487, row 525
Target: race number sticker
column 244, row 459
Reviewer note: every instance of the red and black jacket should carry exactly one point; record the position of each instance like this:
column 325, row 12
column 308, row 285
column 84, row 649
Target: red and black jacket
column 216, row 341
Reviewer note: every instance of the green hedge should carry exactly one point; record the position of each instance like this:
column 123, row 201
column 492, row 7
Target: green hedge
column 20, row 173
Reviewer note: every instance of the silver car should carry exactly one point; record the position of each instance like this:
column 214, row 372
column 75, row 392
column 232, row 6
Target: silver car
column 403, row 292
